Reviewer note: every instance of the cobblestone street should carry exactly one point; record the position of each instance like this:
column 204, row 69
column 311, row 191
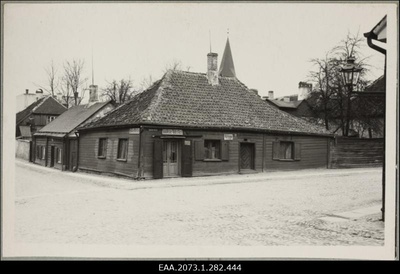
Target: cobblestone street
column 268, row 209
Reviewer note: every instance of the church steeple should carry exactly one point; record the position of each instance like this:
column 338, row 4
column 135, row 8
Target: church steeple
column 227, row 68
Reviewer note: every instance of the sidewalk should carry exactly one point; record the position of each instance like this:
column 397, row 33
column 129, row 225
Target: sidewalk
column 131, row 184
column 353, row 214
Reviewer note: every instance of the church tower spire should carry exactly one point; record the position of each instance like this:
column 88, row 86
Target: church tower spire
column 227, row 68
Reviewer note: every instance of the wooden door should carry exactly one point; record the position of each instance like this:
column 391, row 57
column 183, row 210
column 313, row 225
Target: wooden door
column 171, row 158
column 52, row 156
column 246, row 156
column 187, row 159
column 158, row 159
column 73, row 155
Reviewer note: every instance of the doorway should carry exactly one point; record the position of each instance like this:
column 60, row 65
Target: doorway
column 52, row 155
column 171, row 158
column 246, row 156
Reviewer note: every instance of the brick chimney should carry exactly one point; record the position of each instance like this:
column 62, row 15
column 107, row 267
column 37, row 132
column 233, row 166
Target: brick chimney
column 255, row 91
column 271, row 95
column 212, row 68
column 93, row 94
column 304, row 90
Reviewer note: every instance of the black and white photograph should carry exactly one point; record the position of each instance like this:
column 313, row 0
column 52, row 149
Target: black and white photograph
column 199, row 130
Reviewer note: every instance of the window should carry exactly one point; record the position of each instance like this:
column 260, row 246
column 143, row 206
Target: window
column 50, row 118
column 38, row 152
column 122, row 149
column 102, row 152
column 58, row 155
column 286, row 150
column 43, row 153
column 212, row 149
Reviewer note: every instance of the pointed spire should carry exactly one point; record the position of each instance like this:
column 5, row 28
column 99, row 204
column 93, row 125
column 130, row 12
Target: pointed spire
column 227, row 68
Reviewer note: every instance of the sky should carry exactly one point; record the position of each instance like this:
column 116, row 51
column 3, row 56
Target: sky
column 272, row 43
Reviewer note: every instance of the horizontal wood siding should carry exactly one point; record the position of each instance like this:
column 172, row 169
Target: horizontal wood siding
column 314, row 152
column 57, row 143
column 39, row 141
column 355, row 152
column 88, row 152
column 204, row 167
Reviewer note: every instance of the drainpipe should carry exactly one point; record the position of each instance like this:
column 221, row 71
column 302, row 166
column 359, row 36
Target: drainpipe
column 369, row 37
column 139, row 172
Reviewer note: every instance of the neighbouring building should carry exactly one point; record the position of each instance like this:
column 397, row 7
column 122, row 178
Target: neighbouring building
column 56, row 145
column 27, row 98
column 38, row 114
column 195, row 124
column 295, row 104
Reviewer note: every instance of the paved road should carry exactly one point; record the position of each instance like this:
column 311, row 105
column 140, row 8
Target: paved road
column 269, row 209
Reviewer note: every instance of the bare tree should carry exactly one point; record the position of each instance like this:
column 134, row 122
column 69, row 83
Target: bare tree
column 332, row 98
column 146, row 82
column 73, row 76
column 52, row 83
column 119, row 91
column 66, row 92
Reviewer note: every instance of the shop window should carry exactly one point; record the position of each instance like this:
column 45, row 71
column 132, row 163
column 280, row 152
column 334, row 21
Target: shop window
column 212, row 149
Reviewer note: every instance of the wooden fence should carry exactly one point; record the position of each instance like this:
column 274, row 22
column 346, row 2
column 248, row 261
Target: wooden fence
column 22, row 149
column 350, row 152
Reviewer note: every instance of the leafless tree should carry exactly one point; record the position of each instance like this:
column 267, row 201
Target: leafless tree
column 73, row 75
column 332, row 98
column 119, row 91
column 51, row 86
column 66, row 93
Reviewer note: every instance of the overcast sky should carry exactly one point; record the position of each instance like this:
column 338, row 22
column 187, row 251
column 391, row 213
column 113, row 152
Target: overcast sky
column 271, row 43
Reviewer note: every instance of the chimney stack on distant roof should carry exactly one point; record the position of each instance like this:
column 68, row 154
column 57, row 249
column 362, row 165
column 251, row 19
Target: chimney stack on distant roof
column 255, row 91
column 212, row 68
column 93, row 94
column 271, row 95
column 26, row 91
column 304, row 90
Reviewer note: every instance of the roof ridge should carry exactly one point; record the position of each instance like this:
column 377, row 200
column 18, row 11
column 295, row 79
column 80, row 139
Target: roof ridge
column 41, row 103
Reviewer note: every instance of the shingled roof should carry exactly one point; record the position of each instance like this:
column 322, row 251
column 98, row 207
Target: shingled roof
column 284, row 104
column 44, row 105
column 71, row 119
column 379, row 85
column 185, row 99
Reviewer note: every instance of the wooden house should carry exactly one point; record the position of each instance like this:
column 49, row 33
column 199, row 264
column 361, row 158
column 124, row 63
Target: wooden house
column 56, row 144
column 37, row 115
column 195, row 124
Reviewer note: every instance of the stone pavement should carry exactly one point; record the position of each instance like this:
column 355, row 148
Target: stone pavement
column 264, row 209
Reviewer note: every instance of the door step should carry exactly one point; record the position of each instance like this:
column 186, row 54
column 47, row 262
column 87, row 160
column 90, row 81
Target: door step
column 247, row 171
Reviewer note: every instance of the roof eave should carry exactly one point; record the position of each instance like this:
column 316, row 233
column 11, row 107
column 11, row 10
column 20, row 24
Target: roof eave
column 209, row 128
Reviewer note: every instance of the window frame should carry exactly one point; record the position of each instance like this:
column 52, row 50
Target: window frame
column 277, row 154
column 208, row 150
column 119, row 158
column 43, row 153
column 58, row 155
column 102, row 147
column 50, row 119
column 282, row 154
